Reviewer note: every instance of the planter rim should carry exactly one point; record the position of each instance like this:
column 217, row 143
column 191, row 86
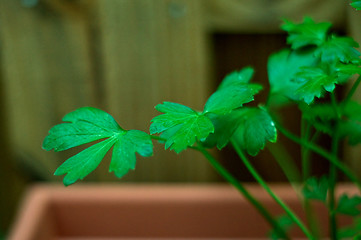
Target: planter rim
column 42, row 197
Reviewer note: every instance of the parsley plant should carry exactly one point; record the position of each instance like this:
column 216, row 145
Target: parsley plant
column 305, row 74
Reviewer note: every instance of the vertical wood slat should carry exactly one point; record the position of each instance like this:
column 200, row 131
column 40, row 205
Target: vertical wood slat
column 352, row 153
column 9, row 174
column 154, row 51
column 46, row 74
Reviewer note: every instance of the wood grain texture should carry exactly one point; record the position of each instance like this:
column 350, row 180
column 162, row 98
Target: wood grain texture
column 153, row 51
column 12, row 183
column 46, row 74
column 264, row 16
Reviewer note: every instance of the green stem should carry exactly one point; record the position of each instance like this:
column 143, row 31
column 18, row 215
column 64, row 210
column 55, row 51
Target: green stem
column 333, row 172
column 332, row 186
column 226, row 175
column 259, row 179
column 333, row 159
column 306, row 172
column 293, row 175
column 154, row 137
column 305, row 135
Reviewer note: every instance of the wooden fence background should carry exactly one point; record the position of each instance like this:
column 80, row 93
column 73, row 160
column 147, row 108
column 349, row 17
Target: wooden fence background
column 124, row 56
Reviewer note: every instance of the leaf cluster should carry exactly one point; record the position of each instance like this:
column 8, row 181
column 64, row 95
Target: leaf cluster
column 305, row 74
column 317, row 61
column 325, row 117
column 222, row 118
column 179, row 127
column 316, row 189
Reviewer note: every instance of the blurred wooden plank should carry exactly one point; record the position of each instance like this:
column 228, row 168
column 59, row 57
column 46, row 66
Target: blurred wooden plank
column 47, row 73
column 262, row 16
column 9, row 174
column 154, row 51
column 352, row 153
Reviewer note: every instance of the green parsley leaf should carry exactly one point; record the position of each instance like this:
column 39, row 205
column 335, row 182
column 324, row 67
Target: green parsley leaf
column 321, row 115
column 350, row 231
column 285, row 222
column 86, row 125
column 237, row 77
column 83, row 125
column 356, row 4
column 180, row 125
column 123, row 158
column 316, row 188
column 314, row 80
column 351, row 130
column 232, row 93
column 250, row 127
column 347, row 69
column 350, row 126
column 339, row 49
column 255, row 128
column 306, row 33
column 353, row 111
column 224, row 127
column 282, row 66
column 349, row 205
column 225, row 100
column 83, row 163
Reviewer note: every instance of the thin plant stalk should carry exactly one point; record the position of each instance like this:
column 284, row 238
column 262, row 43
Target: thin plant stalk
column 306, row 172
column 305, row 156
column 332, row 186
column 333, row 159
column 333, row 171
column 259, row 179
column 227, row 176
column 294, row 176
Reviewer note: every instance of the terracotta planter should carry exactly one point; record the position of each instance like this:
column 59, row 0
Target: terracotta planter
column 147, row 212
